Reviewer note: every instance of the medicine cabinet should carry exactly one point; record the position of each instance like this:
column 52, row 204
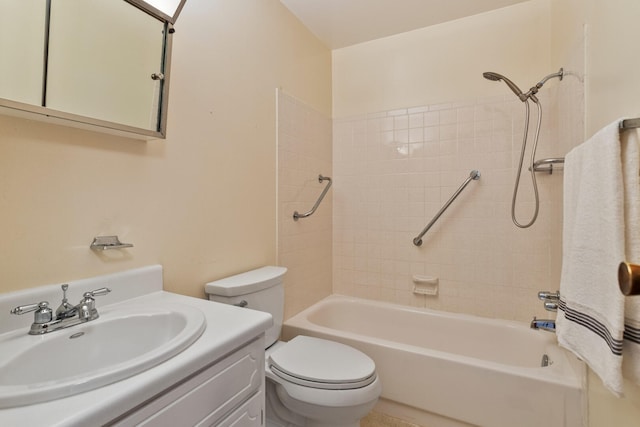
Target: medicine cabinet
column 97, row 64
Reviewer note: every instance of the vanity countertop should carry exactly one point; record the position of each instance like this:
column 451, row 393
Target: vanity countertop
column 227, row 328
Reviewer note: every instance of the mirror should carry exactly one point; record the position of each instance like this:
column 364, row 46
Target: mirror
column 101, row 67
column 99, row 63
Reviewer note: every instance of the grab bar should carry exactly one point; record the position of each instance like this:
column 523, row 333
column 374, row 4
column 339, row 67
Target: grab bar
column 321, row 178
column 475, row 175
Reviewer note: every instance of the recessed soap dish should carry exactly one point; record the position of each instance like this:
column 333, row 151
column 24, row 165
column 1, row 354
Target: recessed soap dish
column 103, row 243
column 425, row 285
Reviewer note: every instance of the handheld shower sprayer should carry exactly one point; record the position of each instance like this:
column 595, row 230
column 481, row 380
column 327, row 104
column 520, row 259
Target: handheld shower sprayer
column 531, row 94
column 525, row 97
column 497, row 77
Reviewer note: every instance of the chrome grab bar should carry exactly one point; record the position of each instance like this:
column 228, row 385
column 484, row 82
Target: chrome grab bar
column 321, row 178
column 473, row 175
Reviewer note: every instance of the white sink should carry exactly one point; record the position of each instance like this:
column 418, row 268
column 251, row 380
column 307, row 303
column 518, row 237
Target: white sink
column 122, row 342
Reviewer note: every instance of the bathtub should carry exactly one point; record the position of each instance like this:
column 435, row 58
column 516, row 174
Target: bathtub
column 446, row 369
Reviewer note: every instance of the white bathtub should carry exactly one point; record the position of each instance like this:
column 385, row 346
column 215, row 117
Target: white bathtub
column 449, row 369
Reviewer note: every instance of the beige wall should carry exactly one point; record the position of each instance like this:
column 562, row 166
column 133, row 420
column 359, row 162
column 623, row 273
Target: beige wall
column 612, row 79
column 609, row 27
column 443, row 63
column 203, row 202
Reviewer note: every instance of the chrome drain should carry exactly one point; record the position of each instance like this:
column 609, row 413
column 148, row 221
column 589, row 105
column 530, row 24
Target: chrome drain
column 76, row 335
column 545, row 361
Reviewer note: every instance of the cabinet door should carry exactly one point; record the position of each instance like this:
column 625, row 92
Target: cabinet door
column 207, row 396
column 102, row 55
column 22, row 40
column 251, row 414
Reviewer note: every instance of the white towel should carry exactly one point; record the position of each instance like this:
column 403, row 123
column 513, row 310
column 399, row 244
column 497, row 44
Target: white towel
column 591, row 320
column 631, row 164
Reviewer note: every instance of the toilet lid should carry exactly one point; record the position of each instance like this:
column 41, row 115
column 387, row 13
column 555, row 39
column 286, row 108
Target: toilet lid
column 319, row 363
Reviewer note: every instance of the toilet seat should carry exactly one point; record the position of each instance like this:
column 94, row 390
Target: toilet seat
column 317, row 363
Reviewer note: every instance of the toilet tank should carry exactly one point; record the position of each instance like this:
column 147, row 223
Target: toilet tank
column 261, row 289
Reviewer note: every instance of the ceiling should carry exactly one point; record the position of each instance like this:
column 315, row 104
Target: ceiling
column 341, row 23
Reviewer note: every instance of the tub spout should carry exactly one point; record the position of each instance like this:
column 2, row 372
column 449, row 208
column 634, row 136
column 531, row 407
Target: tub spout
column 544, row 324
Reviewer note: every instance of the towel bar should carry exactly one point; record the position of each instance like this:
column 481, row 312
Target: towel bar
column 547, row 165
column 630, row 124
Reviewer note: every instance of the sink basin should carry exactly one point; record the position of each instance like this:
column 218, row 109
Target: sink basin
column 122, row 342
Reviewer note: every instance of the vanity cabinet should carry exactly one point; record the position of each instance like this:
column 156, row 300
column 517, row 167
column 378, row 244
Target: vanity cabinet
column 228, row 392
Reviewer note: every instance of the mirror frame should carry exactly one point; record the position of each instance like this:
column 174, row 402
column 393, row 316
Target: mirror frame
column 38, row 112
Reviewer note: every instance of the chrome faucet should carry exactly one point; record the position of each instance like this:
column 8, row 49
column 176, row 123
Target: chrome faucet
column 550, row 299
column 544, row 324
column 66, row 314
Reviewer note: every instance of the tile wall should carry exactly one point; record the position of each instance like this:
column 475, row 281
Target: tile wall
column 304, row 246
column 395, row 169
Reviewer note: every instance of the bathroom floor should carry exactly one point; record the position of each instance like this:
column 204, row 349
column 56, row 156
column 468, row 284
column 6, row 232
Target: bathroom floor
column 377, row 419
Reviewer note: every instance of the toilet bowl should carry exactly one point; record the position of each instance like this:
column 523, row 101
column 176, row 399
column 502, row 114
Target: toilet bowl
column 327, row 383
column 310, row 382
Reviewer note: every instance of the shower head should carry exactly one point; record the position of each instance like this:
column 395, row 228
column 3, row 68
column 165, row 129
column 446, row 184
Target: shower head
column 532, row 92
column 559, row 74
column 492, row 76
column 497, row 77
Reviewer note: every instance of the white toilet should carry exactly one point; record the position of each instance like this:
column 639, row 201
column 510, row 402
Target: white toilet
column 310, row 382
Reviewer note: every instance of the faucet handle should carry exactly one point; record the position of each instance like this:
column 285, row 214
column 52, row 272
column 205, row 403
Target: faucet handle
column 97, row 293
column 88, row 297
column 549, row 296
column 43, row 313
column 87, row 307
column 22, row 309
